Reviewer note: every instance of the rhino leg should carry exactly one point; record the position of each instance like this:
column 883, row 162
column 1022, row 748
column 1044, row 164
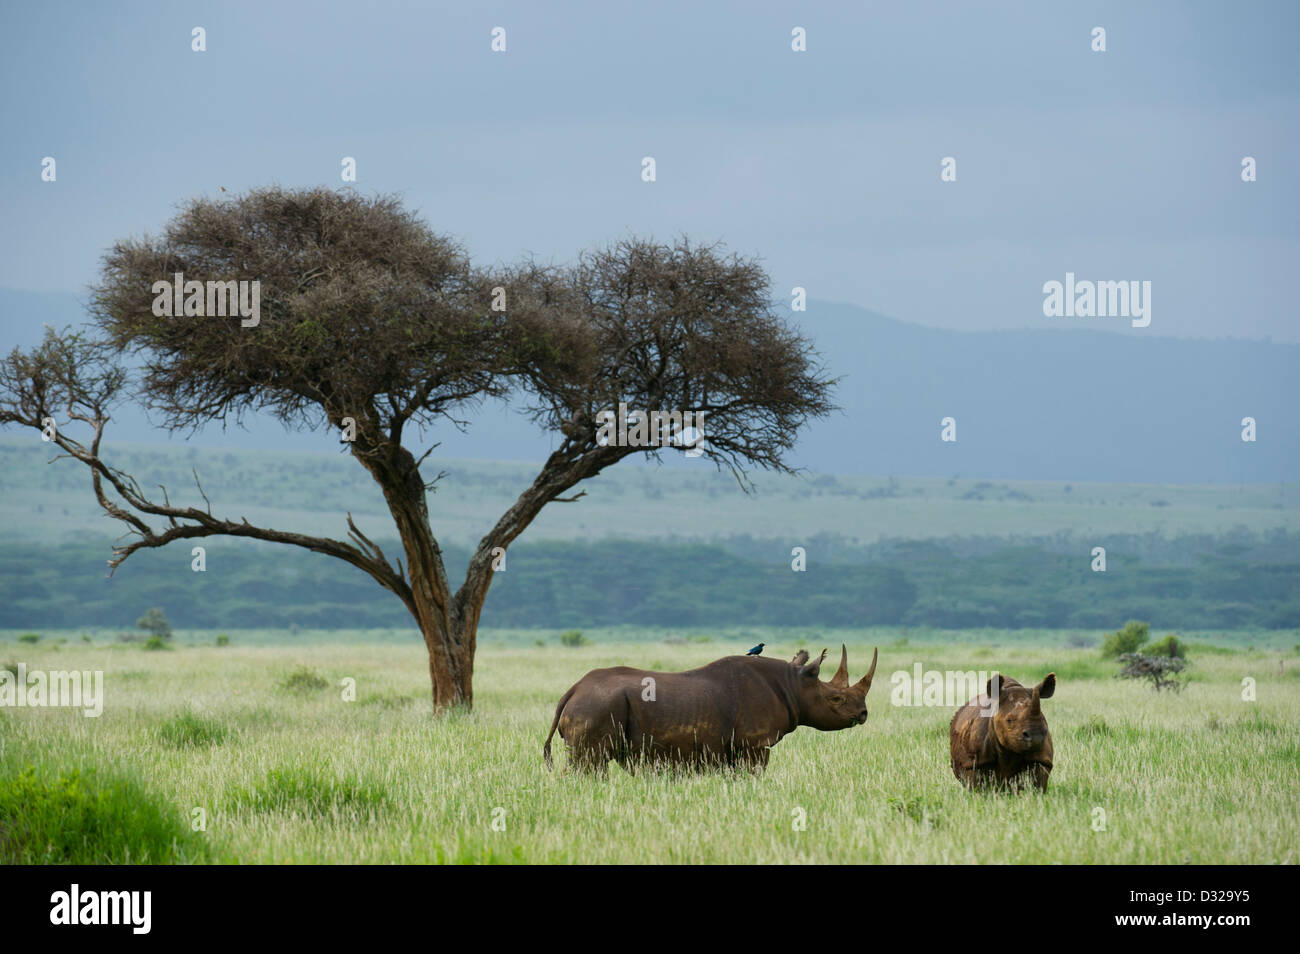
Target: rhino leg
column 594, row 726
column 754, row 759
column 1040, row 772
column 969, row 774
column 591, row 747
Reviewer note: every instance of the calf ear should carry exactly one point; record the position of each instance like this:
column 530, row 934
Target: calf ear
column 1047, row 686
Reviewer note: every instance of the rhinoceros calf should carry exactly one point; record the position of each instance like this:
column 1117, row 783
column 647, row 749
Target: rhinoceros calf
column 1003, row 746
column 730, row 712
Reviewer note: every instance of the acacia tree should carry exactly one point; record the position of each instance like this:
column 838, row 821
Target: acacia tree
column 373, row 325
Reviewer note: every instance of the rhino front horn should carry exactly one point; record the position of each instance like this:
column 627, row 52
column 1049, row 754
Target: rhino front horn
column 865, row 682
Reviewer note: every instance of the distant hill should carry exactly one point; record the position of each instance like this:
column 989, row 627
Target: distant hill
column 1241, row 582
column 662, row 544
column 1053, row 404
column 312, row 493
column 1062, row 403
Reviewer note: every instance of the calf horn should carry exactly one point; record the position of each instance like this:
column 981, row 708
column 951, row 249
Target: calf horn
column 841, row 677
column 865, row 681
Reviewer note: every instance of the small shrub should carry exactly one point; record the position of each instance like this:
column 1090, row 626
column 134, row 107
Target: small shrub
column 1096, row 727
column 1255, row 722
column 29, row 638
column 539, row 643
column 155, row 621
column 1163, row 672
column 1169, row 646
column 156, row 642
column 85, row 638
column 189, row 730
column 1126, row 640
column 922, row 810
column 573, row 638
column 223, row 639
column 307, row 791
column 1252, row 723
column 304, row 679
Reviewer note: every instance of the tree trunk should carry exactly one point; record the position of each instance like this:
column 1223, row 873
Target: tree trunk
column 451, row 667
column 449, row 635
column 449, row 622
column 448, row 639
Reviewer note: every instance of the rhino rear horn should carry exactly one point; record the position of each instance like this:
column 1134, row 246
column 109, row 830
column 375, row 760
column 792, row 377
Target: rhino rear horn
column 841, row 677
column 865, row 682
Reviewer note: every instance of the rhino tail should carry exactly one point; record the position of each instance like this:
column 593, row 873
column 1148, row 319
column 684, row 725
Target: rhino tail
column 559, row 709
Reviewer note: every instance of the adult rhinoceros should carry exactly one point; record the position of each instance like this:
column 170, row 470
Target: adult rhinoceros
column 730, row 712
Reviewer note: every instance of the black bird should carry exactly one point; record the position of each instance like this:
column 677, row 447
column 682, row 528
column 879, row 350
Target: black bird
column 757, row 650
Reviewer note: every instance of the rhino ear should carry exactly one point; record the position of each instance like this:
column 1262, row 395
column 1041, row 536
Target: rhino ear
column 814, row 668
column 993, row 686
column 1047, row 687
column 800, row 658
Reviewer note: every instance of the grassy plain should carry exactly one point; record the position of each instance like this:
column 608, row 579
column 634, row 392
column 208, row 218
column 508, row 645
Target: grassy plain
column 258, row 737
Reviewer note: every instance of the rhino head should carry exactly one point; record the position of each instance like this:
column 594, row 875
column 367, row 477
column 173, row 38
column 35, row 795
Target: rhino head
column 831, row 705
column 1018, row 720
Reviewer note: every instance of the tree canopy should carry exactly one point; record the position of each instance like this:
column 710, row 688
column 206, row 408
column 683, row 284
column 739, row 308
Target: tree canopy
column 371, row 324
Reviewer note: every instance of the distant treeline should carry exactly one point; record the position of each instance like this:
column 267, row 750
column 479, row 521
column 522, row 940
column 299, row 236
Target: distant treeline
column 1239, row 581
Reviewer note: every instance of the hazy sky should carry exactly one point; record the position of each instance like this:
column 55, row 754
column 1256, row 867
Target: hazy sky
column 1122, row 165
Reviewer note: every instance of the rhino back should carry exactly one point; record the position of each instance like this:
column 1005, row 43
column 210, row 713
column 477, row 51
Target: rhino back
column 731, row 702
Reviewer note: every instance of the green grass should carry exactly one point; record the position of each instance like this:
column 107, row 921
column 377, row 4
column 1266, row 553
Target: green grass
column 308, row 790
column 89, row 819
column 190, row 729
column 1201, row 777
column 304, row 679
